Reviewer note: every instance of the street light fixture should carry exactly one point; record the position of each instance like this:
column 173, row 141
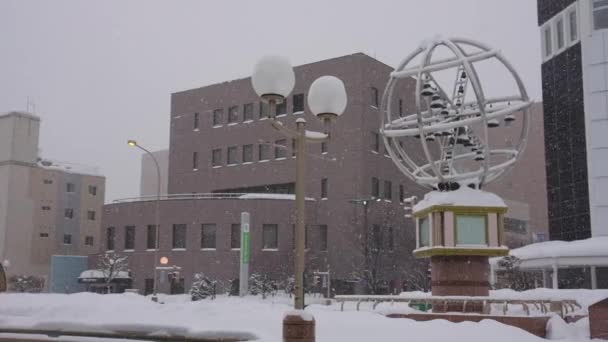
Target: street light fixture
column 134, row 143
column 273, row 80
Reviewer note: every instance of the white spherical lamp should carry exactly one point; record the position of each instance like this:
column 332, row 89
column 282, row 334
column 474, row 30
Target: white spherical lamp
column 327, row 97
column 273, row 78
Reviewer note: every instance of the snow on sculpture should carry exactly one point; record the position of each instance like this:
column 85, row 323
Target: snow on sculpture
column 452, row 120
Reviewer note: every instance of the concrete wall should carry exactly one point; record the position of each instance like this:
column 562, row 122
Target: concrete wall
column 149, row 178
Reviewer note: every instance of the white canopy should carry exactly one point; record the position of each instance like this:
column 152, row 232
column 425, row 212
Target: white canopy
column 552, row 255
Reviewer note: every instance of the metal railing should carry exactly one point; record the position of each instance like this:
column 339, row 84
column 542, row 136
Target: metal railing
column 205, row 196
column 562, row 307
column 35, row 335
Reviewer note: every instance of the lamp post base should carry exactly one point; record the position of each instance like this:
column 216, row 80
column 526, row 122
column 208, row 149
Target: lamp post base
column 298, row 327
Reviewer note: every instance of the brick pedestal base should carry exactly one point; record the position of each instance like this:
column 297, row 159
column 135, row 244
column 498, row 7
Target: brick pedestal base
column 296, row 329
column 459, row 275
column 598, row 320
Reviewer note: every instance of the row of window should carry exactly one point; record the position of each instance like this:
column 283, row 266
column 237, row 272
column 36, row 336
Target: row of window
column 245, row 113
column 67, row 239
column 247, row 153
column 387, row 191
column 560, row 32
column 69, row 213
column 208, row 240
column 71, row 187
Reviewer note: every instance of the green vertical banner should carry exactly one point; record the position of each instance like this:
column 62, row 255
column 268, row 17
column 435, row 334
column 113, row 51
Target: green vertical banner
column 245, row 255
column 245, row 247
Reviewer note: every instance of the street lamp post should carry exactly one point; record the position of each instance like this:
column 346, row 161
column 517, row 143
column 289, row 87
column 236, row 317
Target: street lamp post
column 273, row 80
column 156, row 214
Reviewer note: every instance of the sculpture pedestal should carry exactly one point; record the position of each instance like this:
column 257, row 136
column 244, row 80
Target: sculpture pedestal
column 460, row 275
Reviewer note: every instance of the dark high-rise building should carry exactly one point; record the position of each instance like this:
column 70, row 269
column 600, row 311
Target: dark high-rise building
column 574, row 40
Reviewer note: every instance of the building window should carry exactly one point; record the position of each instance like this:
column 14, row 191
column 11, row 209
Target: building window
column 70, row 187
column 263, row 152
column 270, row 236
column 232, row 150
column 46, row 207
column 401, row 193
column 91, row 215
column 233, row 114
column 247, row 112
column 391, row 239
column 572, row 25
column 47, row 181
column 324, row 188
column 388, row 190
column 376, row 238
column 130, row 237
column 218, row 117
column 110, row 235
column 195, row 161
column 235, row 236
column 216, row 157
column 294, row 148
column 423, row 232
column 67, row 239
column 44, row 235
column 282, row 108
column 547, row 49
column 179, row 236
column 559, row 33
column 68, row 213
column 600, row 14
column 208, row 236
column 247, row 153
column 375, row 187
column 92, row 190
column 151, row 236
column 471, row 230
column 279, row 148
column 374, row 96
column 324, row 147
column 196, row 120
column 148, row 286
column 323, row 237
column 400, row 108
column 298, row 103
column 88, row 240
column 375, row 142
column 264, row 110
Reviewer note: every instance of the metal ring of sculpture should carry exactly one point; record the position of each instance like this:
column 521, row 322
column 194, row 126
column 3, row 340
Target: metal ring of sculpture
column 456, row 125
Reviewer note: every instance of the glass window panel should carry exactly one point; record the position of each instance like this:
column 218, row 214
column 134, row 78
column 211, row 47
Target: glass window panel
column 471, row 230
column 151, row 238
column 600, row 14
column 573, row 25
column 218, row 117
column 248, row 112
column 547, row 47
column 232, row 155
column 264, row 152
column 216, row 157
column 233, row 114
column 179, row 236
column 247, row 153
column 270, row 236
column 423, row 234
column 298, row 103
column 235, row 236
column 559, row 28
column 208, row 235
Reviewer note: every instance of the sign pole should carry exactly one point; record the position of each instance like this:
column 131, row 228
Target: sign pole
column 244, row 260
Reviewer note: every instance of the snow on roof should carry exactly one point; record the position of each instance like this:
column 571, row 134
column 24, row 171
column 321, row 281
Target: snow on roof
column 464, row 196
column 304, row 315
column 272, row 196
column 592, row 247
column 69, row 167
column 100, row 274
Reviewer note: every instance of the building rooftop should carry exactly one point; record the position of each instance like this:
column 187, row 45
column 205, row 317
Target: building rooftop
column 20, row 114
column 69, row 167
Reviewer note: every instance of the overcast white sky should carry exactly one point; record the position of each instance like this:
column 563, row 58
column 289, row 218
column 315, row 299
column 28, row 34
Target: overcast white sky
column 101, row 72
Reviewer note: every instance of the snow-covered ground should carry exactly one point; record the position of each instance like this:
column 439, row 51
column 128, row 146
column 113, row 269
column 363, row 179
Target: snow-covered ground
column 260, row 317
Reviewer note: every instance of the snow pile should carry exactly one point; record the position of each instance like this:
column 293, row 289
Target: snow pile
column 464, row 196
column 303, row 314
column 558, row 329
column 236, row 316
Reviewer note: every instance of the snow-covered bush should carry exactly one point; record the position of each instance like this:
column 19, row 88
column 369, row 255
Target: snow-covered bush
column 289, row 286
column 262, row 284
column 24, row 283
column 514, row 278
column 203, row 287
column 233, row 287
